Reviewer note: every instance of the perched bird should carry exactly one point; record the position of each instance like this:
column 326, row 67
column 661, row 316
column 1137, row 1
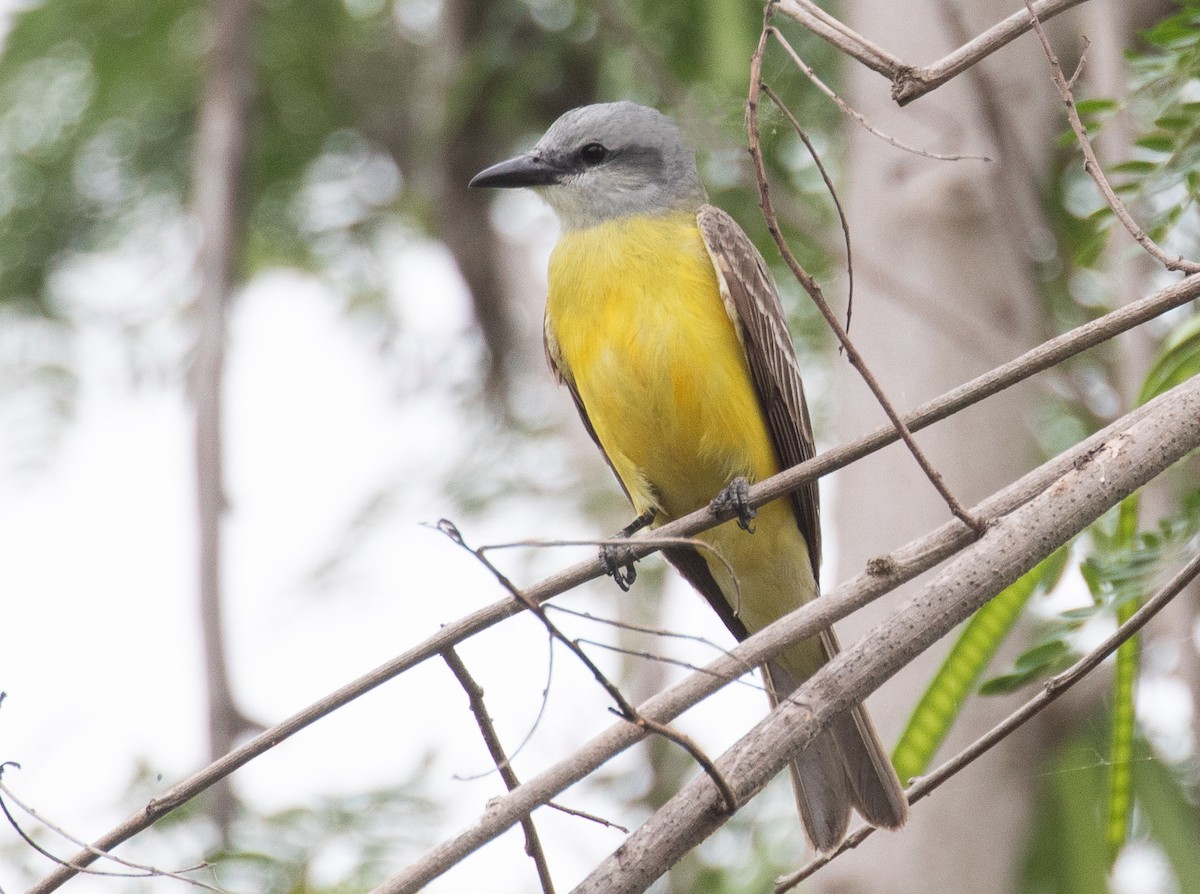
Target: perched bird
column 665, row 325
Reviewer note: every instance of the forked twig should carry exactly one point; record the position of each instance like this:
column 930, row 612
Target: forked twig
column 624, row 708
column 1051, row 690
column 533, row 845
column 1091, row 164
column 814, row 290
column 911, row 82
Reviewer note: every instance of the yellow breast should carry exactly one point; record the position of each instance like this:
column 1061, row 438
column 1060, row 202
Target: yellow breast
column 634, row 318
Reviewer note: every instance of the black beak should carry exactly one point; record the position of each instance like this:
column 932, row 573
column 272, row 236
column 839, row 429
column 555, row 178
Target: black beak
column 529, row 169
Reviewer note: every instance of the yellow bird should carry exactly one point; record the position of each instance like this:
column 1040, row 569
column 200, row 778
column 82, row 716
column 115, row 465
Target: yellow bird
column 665, row 325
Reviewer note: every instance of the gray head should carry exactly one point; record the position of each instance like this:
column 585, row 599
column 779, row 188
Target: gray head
column 599, row 162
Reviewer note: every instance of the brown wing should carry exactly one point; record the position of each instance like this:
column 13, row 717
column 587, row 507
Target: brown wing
column 753, row 304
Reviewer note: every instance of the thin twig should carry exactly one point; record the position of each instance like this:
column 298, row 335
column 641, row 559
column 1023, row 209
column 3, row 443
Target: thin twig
column 624, row 708
column 533, row 845
column 1051, row 690
column 1091, row 164
column 837, row 203
column 1032, row 362
column 854, row 113
column 665, row 659
column 537, row 720
column 138, row 870
column 686, row 742
column 840, row 35
column 814, row 290
column 590, row 817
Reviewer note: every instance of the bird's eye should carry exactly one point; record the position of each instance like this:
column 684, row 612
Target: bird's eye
column 592, row 154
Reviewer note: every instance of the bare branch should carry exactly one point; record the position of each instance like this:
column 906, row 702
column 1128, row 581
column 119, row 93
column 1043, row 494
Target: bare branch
column 837, row 203
column 897, row 568
column 1091, row 164
column 1124, row 461
column 590, row 817
column 533, row 845
column 910, row 82
column 814, row 291
column 1045, row 482
column 846, row 39
column 1051, row 690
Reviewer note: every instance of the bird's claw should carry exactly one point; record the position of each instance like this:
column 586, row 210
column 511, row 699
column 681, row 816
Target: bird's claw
column 618, row 564
column 618, row 559
column 736, row 497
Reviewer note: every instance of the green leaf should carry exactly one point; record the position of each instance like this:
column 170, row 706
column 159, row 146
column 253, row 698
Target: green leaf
column 1174, row 122
column 1136, row 167
column 969, row 656
column 1094, row 106
column 1177, row 362
column 1041, row 655
column 1156, row 142
column 1002, row 684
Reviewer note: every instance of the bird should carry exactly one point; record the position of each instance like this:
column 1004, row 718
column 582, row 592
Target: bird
column 665, row 325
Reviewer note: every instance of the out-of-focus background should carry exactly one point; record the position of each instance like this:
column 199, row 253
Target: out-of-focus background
column 380, row 368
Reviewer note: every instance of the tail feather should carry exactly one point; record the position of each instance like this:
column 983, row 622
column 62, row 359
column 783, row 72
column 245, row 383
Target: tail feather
column 878, row 795
column 845, row 766
column 822, row 791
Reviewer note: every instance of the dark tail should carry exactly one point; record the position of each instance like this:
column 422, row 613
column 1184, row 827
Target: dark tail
column 845, row 766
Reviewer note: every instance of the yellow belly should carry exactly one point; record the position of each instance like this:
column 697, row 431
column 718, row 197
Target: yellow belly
column 635, row 320
column 635, row 311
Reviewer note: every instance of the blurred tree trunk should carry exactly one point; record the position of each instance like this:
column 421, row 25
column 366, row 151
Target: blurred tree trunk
column 220, row 158
column 946, row 289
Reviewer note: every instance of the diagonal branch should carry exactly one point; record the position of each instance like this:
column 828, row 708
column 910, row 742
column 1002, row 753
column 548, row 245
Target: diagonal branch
column 533, row 845
column 1125, row 460
column 886, row 574
column 1047, row 483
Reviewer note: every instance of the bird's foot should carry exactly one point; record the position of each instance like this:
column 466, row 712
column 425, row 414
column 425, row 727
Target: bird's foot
column 618, row 564
column 736, row 497
column 618, row 559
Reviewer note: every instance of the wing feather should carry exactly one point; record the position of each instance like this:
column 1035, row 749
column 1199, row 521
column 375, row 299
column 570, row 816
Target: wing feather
column 753, row 304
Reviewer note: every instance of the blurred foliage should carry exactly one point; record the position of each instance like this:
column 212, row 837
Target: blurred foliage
column 1158, row 179
column 344, row 844
column 1066, row 856
column 1121, row 567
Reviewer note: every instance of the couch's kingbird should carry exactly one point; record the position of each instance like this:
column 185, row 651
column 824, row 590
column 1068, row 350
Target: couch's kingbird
column 665, row 325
